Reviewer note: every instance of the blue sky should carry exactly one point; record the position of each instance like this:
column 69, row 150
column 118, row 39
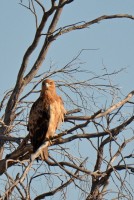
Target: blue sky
column 113, row 39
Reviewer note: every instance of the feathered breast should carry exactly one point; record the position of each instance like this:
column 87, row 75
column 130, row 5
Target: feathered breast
column 46, row 114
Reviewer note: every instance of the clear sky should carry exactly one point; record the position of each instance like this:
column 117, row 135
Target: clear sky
column 113, row 39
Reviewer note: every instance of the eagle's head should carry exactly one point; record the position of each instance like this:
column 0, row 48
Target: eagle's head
column 48, row 84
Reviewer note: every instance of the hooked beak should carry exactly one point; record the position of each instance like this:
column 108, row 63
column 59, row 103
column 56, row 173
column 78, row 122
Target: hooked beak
column 47, row 85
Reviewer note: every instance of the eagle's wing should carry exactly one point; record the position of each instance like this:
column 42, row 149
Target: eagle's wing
column 38, row 123
column 62, row 111
column 57, row 112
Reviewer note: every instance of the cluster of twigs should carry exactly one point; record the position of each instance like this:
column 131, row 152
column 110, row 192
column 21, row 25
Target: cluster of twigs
column 100, row 139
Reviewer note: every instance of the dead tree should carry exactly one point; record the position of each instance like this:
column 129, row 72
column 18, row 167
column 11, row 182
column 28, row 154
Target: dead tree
column 93, row 152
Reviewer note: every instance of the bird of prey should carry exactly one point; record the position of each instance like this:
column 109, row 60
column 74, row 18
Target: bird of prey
column 46, row 114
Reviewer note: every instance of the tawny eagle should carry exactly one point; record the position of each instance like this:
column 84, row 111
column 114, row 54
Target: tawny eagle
column 46, row 114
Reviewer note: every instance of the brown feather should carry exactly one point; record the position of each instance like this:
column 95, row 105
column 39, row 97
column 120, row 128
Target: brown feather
column 46, row 114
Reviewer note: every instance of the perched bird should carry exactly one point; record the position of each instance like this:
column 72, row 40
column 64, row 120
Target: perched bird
column 46, row 114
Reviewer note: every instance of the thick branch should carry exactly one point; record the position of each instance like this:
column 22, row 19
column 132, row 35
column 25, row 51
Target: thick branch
column 9, row 114
column 10, row 139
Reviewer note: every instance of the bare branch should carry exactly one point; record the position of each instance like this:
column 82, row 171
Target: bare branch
column 109, row 110
column 88, row 24
column 60, row 187
column 92, row 148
